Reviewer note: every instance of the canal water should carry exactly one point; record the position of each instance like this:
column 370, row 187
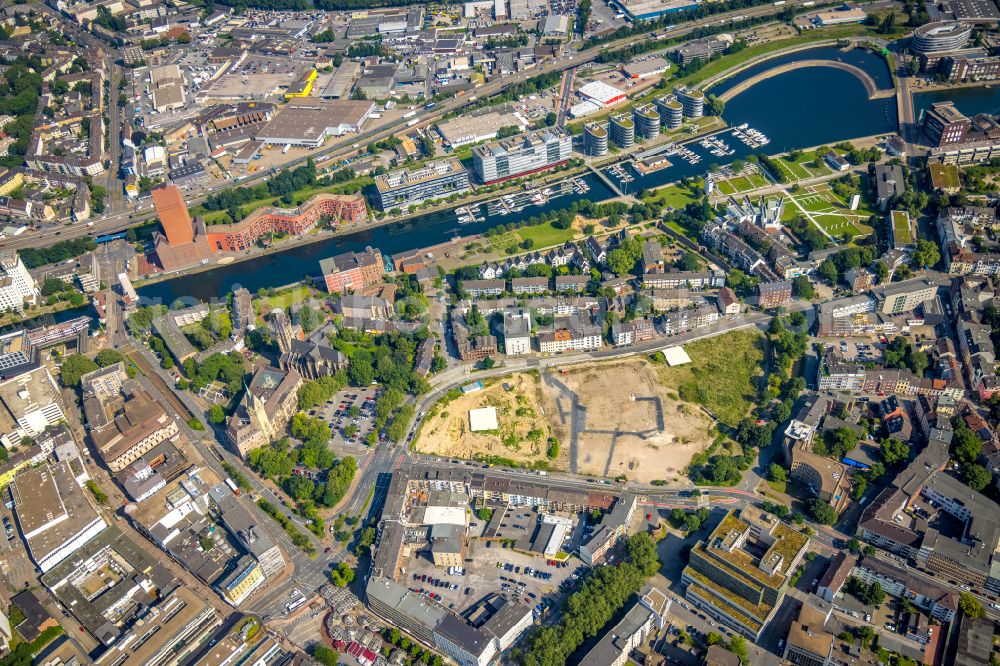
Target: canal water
column 796, row 109
column 970, row 101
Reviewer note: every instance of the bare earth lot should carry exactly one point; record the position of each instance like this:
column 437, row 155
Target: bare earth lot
column 614, row 419
column 609, row 419
column 523, row 433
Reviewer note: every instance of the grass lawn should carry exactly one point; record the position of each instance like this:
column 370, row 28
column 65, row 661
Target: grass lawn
column 674, row 195
column 757, row 180
column 778, row 486
column 501, row 242
column 726, row 187
column 545, row 235
column 723, row 374
column 803, row 167
column 681, row 230
column 742, row 184
column 288, row 297
column 837, row 225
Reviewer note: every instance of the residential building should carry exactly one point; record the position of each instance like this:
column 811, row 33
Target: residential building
column 267, row 221
column 772, row 295
column 631, row 332
column 889, row 183
column 612, row 528
column 529, row 285
column 576, row 334
column 17, row 287
column 646, row 616
column 517, row 332
column 729, row 304
column 352, row 270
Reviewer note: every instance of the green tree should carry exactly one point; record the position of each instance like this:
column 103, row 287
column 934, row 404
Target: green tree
column 74, row 367
column 803, row 288
column 107, row 357
column 325, row 655
column 216, row 414
column 893, row 450
column 738, row 646
column 926, row 254
column 970, row 606
column 776, row 473
column 821, row 511
column 828, row 270
column 342, row 575
column 977, row 477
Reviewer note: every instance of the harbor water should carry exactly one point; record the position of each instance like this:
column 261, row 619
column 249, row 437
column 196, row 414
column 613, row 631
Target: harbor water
column 796, row 109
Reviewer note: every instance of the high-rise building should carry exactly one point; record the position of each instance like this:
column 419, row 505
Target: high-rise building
column 671, row 111
column 944, row 124
column 622, row 131
column 595, row 139
column 183, row 242
column 692, row 101
column 521, row 155
column 405, row 187
column 17, row 287
column 647, row 121
column 173, row 214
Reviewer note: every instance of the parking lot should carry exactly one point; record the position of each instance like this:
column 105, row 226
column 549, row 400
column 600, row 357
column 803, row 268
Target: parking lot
column 528, row 577
column 351, row 415
column 862, row 351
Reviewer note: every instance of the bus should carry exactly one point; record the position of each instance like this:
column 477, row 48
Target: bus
column 430, row 105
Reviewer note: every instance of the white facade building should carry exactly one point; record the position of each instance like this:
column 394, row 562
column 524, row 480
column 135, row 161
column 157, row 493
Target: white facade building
column 17, row 287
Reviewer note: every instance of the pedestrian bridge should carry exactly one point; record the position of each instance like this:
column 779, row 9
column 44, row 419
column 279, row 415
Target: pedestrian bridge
column 874, row 92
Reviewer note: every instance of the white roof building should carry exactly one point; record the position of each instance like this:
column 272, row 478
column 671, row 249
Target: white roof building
column 582, row 109
column 676, row 356
column 601, row 93
column 483, row 419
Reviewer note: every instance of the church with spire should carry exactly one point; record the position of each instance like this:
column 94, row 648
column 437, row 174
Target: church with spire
column 269, row 401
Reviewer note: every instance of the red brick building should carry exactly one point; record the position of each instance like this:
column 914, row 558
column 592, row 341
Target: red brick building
column 352, row 271
column 291, row 221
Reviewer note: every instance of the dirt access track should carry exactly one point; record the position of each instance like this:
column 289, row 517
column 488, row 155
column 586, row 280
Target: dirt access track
column 610, row 419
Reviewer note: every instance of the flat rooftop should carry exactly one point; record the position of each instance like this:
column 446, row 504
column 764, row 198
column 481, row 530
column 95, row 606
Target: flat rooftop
column 50, row 507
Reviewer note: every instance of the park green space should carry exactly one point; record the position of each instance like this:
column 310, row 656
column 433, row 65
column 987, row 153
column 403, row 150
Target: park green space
column 545, row 235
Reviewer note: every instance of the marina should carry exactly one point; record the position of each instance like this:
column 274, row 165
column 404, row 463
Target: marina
column 716, row 146
column 750, row 137
column 796, row 109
